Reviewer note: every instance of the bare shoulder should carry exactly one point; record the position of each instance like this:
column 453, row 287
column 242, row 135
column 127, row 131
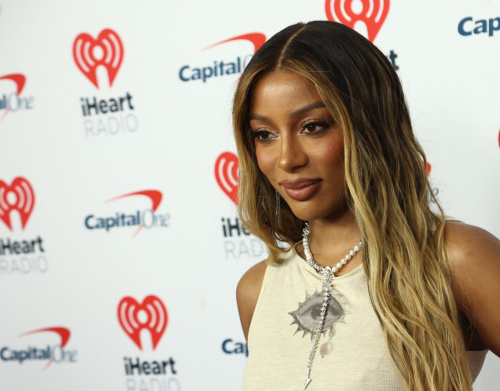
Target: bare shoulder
column 247, row 293
column 474, row 254
column 470, row 247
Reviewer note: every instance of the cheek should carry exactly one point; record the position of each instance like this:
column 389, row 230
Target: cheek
column 265, row 160
column 331, row 153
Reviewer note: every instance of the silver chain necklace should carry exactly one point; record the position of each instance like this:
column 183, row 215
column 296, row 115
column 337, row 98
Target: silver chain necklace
column 328, row 273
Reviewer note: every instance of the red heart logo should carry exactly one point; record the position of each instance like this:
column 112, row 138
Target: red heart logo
column 428, row 169
column 18, row 196
column 371, row 12
column 106, row 50
column 226, row 174
column 134, row 317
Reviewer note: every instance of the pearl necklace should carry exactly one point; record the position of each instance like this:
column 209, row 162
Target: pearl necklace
column 328, row 273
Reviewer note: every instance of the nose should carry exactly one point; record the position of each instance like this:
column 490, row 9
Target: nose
column 292, row 155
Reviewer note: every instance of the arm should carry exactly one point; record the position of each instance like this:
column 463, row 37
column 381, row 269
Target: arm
column 475, row 260
column 247, row 294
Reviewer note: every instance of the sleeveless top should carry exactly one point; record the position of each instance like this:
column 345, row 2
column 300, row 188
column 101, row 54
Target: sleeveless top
column 287, row 311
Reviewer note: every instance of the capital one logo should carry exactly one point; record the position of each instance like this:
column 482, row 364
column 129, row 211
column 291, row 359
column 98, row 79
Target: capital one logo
column 12, row 102
column 63, row 334
column 149, row 315
column 154, row 196
column 223, row 67
column 106, row 51
column 51, row 353
column 256, row 39
column 147, row 218
column 226, row 174
column 19, row 197
column 349, row 12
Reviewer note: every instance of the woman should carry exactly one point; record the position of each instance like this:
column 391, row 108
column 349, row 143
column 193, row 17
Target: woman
column 409, row 301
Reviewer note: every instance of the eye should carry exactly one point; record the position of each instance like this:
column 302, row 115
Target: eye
column 315, row 127
column 264, row 135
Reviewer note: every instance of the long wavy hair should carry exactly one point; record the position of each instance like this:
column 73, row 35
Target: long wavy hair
column 386, row 188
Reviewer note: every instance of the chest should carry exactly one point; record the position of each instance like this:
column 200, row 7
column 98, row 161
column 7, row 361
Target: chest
column 351, row 353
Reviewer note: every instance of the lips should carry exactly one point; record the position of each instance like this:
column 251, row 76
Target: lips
column 301, row 189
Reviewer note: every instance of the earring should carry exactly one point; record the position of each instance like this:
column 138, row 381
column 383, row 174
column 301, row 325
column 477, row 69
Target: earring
column 277, row 206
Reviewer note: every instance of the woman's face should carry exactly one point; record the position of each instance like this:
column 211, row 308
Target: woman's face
column 299, row 147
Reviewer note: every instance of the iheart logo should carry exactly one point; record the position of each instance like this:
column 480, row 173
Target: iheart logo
column 20, row 197
column 20, row 81
column 226, row 174
column 428, row 168
column 257, row 39
column 348, row 12
column 106, row 50
column 150, row 315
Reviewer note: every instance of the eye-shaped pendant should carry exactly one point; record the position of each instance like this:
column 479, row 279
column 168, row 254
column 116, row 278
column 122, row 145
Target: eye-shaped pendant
column 308, row 314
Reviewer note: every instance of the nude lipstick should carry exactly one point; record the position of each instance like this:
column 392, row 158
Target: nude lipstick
column 301, row 189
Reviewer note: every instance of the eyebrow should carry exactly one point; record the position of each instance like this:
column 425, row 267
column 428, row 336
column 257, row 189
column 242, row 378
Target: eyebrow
column 296, row 113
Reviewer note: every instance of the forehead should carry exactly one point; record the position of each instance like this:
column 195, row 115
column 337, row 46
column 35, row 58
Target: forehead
column 281, row 91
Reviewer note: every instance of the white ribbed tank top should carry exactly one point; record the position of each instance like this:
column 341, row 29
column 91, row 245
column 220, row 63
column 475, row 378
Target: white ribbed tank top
column 279, row 339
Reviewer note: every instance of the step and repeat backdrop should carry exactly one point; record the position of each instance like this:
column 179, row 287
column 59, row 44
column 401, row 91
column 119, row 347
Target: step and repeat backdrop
column 120, row 246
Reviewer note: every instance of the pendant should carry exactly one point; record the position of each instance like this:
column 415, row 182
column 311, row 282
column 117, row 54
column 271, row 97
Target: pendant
column 328, row 273
column 308, row 380
column 326, row 349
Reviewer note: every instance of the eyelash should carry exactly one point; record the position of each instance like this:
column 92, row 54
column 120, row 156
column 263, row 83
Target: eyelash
column 323, row 124
column 314, row 123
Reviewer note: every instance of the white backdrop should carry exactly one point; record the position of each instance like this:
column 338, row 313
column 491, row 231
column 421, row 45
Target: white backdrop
column 62, row 278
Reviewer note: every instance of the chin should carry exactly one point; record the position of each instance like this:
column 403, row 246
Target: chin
column 309, row 212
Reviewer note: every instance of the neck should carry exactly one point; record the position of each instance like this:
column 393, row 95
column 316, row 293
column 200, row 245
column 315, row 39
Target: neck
column 334, row 230
column 332, row 237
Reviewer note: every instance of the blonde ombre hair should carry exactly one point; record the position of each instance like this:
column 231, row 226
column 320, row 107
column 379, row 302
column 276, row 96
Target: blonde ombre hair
column 387, row 189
